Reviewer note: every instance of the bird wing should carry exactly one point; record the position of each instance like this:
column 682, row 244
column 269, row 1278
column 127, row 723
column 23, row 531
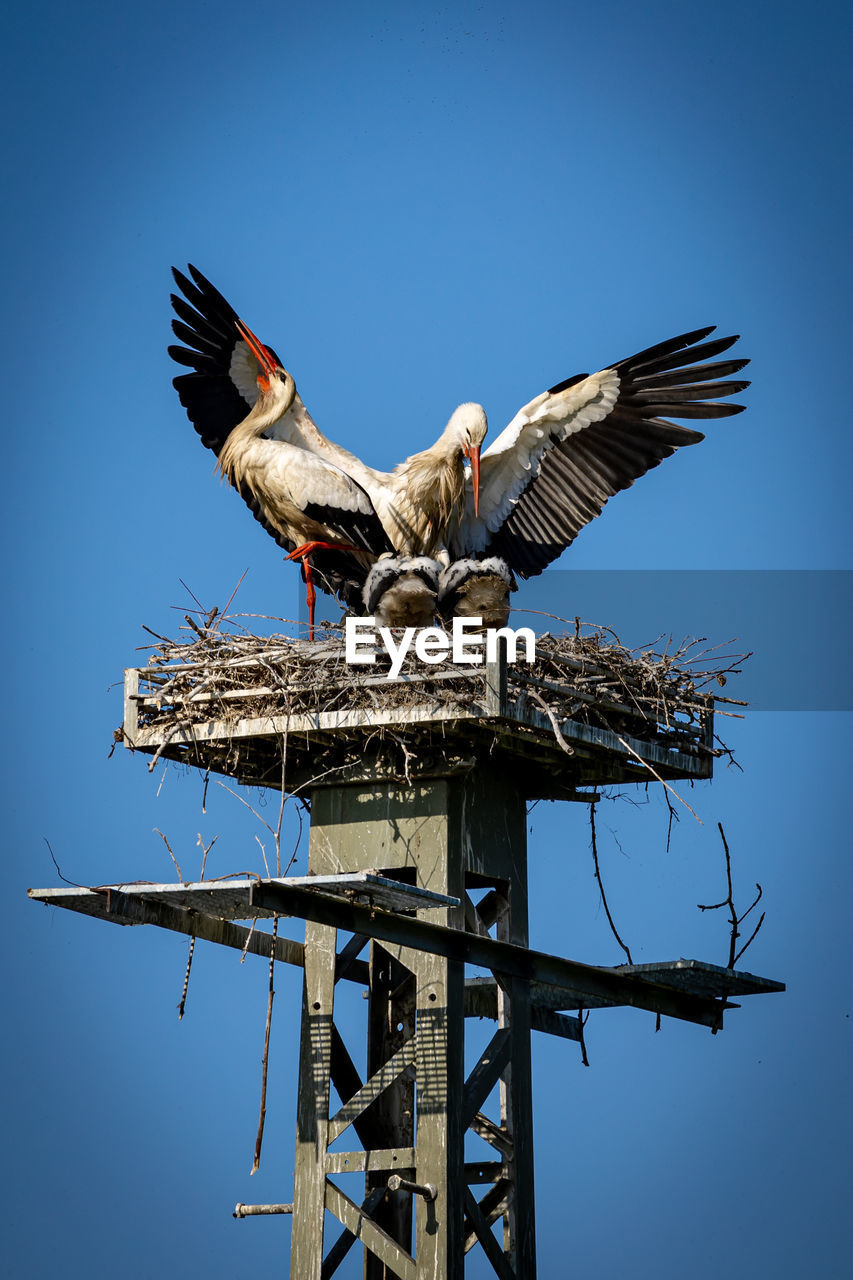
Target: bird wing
column 297, row 461
column 571, row 448
column 222, row 386
column 285, row 486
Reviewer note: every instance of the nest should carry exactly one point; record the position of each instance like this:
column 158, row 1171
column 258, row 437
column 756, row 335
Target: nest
column 214, row 700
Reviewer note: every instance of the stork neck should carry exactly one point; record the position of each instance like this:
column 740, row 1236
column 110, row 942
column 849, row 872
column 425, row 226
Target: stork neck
column 434, row 482
column 270, row 407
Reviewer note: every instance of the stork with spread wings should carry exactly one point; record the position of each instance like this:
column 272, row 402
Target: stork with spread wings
column 525, row 500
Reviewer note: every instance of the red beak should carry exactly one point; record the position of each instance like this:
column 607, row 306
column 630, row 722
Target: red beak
column 257, row 348
column 474, row 455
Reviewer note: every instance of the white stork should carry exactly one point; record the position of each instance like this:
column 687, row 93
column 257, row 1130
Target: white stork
column 545, row 476
column 319, row 501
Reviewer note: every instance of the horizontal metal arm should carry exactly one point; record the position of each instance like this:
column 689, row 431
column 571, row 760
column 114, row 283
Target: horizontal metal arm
column 426, row 1189
column 255, row 1210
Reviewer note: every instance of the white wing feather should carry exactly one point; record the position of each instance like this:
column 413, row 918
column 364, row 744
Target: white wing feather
column 513, row 459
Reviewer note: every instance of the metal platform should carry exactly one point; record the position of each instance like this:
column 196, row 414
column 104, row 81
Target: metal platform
column 371, row 905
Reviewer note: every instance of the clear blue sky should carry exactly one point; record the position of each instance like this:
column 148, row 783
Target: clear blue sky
column 417, row 206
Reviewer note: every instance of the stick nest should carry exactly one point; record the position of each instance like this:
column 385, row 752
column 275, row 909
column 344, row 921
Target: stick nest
column 586, row 676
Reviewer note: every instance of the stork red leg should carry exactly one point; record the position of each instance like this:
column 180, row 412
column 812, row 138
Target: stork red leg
column 303, row 553
column 310, row 594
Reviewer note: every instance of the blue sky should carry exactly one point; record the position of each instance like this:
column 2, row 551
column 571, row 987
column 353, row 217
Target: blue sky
column 417, row 206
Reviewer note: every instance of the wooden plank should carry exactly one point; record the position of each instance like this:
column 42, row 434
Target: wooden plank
column 555, row 1024
column 390, row 1026
column 371, row 1236
column 318, row 994
column 494, row 1204
column 440, row 1139
column 131, row 713
column 520, row 1228
column 493, row 1134
column 371, row 1090
column 346, row 1239
column 397, row 1158
column 496, row 682
column 485, row 1075
column 303, row 722
column 491, row 1248
column 699, row 975
column 230, row 899
column 481, row 1001
column 129, row 909
column 574, row 731
column 349, row 954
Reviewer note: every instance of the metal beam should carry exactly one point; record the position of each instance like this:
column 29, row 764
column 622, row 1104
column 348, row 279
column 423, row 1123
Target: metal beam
column 130, row 909
column 502, row 957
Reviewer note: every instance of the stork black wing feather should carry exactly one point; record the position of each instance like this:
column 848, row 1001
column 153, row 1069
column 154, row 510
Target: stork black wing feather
column 363, row 529
column 196, row 340
column 214, row 406
column 211, row 398
column 665, row 349
column 641, row 393
column 195, row 360
column 697, row 373
column 338, row 573
column 577, row 474
column 645, row 362
column 686, row 409
column 201, row 324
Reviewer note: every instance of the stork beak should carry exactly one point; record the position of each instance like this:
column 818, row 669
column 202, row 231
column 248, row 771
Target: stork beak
column 257, row 348
column 474, row 455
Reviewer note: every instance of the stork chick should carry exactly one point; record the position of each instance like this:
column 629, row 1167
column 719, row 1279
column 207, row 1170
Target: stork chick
column 477, row 589
column 401, row 591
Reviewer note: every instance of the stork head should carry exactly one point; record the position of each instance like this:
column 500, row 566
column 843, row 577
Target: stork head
column 271, row 372
column 468, row 427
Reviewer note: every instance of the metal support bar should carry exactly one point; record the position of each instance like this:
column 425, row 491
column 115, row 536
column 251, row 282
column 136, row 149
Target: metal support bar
column 426, row 1189
column 503, row 957
column 256, row 1210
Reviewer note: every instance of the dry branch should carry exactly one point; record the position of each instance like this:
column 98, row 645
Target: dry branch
column 735, row 920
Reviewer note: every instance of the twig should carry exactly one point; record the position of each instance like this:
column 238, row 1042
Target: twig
column 171, row 855
column 570, row 751
column 263, row 854
column 672, row 790
column 231, row 598
column 613, row 928
column 673, row 817
column 205, row 850
column 728, row 901
column 250, row 807
column 194, row 596
column 251, row 930
column 58, row 872
column 583, row 1019
column 299, row 837
column 260, row 1137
